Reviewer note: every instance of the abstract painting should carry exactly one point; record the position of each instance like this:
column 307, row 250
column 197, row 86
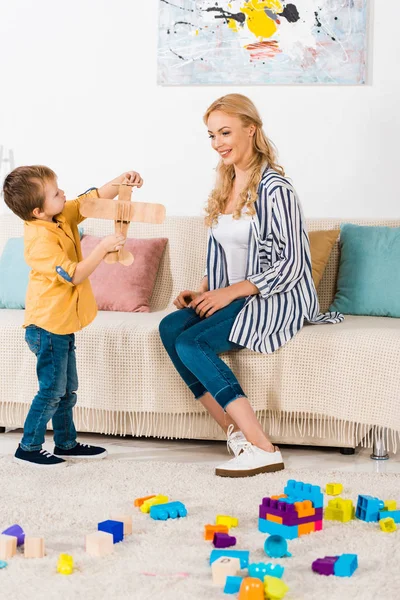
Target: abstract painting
column 256, row 42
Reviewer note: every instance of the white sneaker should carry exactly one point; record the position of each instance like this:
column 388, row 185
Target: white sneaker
column 251, row 461
column 235, row 441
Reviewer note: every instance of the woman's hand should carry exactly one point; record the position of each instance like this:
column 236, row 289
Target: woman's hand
column 207, row 303
column 184, row 298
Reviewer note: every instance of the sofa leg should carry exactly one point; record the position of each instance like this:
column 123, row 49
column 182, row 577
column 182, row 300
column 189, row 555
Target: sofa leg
column 347, row 451
column 379, row 451
column 2, row 429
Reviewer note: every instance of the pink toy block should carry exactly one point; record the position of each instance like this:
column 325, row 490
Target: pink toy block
column 99, row 543
column 8, row 546
column 318, row 525
column 126, row 520
column 34, row 547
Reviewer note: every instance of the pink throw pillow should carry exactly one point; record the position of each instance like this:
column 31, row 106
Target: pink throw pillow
column 126, row 289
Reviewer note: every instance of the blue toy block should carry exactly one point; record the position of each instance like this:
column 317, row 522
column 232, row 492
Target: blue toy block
column 242, row 555
column 345, row 565
column 305, row 491
column 368, row 508
column 116, row 528
column 260, row 570
column 169, row 510
column 232, row 584
column 289, row 532
column 3, row 564
column 394, row 514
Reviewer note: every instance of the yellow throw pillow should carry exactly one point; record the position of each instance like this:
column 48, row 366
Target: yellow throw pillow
column 321, row 244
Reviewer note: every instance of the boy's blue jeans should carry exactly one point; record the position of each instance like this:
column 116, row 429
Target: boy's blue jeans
column 58, row 383
column 193, row 344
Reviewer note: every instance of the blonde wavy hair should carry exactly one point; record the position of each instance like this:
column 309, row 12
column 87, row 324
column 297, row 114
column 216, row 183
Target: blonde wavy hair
column 264, row 151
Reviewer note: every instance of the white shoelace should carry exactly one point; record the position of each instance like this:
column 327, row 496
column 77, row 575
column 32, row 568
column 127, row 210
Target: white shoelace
column 85, row 445
column 46, row 454
column 235, row 445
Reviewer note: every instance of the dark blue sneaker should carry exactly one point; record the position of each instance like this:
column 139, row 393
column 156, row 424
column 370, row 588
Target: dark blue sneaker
column 81, row 451
column 38, row 458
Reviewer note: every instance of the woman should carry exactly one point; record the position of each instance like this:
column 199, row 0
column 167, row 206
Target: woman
column 258, row 287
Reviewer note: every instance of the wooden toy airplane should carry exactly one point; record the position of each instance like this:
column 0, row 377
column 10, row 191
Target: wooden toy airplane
column 122, row 211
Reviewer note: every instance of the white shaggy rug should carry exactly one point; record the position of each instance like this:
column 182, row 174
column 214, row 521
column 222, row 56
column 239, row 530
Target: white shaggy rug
column 169, row 560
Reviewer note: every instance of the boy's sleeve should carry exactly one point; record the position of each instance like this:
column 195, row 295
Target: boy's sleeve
column 71, row 209
column 48, row 258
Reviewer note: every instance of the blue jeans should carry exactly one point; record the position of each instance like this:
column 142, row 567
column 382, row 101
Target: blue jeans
column 58, row 382
column 193, row 344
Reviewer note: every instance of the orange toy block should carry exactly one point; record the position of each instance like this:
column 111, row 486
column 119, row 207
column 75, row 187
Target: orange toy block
column 222, row 567
column 251, row 588
column 279, row 497
column 34, row 547
column 209, row 531
column 306, row 528
column 274, row 519
column 8, row 546
column 99, row 543
column 304, row 509
column 126, row 520
column 139, row 501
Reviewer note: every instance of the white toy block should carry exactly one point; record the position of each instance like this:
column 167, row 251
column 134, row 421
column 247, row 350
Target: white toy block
column 34, row 547
column 99, row 543
column 224, row 566
column 8, row 546
column 126, row 520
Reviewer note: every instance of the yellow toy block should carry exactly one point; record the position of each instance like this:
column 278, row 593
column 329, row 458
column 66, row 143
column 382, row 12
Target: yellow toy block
column 339, row 510
column 227, row 520
column 275, row 588
column 304, row 509
column 65, row 564
column 388, row 525
column 8, row 546
column 390, row 505
column 334, row 489
column 159, row 499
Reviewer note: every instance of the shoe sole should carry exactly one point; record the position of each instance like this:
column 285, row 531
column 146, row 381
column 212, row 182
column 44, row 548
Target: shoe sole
column 21, row 461
column 84, row 456
column 250, row 472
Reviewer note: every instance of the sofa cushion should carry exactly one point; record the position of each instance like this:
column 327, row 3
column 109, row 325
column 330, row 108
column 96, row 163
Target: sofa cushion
column 369, row 273
column 321, row 244
column 126, row 289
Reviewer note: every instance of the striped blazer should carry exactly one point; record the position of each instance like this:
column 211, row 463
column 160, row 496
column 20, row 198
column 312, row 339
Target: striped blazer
column 279, row 264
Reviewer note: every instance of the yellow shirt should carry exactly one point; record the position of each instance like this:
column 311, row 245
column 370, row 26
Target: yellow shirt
column 53, row 250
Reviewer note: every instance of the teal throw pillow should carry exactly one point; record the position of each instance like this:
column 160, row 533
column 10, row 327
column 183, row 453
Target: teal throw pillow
column 369, row 271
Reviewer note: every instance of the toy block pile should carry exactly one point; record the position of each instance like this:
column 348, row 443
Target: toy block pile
column 295, row 513
column 13, row 537
column 219, row 533
column 342, row 566
column 159, row 508
column 110, row 532
column 372, row 509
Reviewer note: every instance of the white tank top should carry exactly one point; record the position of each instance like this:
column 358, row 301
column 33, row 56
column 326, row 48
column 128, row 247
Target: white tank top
column 233, row 236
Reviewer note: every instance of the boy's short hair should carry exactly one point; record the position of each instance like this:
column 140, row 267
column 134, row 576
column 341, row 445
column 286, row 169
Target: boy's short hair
column 23, row 189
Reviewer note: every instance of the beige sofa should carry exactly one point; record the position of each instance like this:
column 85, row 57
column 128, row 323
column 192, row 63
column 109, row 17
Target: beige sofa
column 332, row 385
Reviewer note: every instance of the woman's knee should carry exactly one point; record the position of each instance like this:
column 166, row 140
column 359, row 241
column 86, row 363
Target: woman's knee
column 172, row 326
column 186, row 346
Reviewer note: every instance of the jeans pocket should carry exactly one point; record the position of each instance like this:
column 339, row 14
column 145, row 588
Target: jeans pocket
column 32, row 338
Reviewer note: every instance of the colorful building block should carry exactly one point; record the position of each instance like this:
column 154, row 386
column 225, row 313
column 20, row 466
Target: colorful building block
column 8, row 546
column 345, row 565
column 388, row 505
column 324, row 566
column 170, row 510
column 126, row 520
column 289, row 514
column 388, row 525
column 232, row 584
column 147, row 504
column 305, row 491
column 393, row 514
column 318, row 525
column 34, row 547
column 210, row 530
column 260, row 570
column 227, row 520
column 275, row 546
column 116, row 528
column 99, row 543
column 251, row 588
column 340, row 510
column 288, row 532
column 368, row 508
column 65, row 564
column 223, row 540
column 139, row 501
column 304, row 509
column 16, row 531
column 242, row 555
column 275, row 588
column 4, row 564
column 334, row 489
column 223, row 566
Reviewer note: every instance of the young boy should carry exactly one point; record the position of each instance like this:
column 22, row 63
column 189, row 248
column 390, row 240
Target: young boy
column 59, row 302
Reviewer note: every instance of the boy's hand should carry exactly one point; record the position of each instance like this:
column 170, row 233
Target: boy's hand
column 132, row 177
column 184, row 298
column 112, row 243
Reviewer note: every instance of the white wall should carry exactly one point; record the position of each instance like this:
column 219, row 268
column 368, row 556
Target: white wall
column 79, row 93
